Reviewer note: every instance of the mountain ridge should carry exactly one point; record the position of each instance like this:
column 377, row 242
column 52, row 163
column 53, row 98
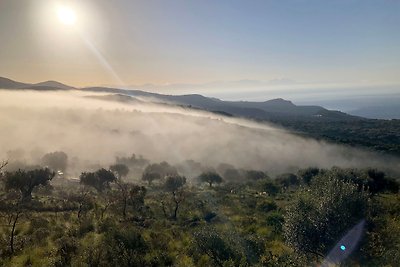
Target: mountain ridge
column 273, row 109
column 6, row 83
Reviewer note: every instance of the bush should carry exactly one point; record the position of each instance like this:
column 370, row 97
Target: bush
column 267, row 206
column 320, row 215
column 85, row 227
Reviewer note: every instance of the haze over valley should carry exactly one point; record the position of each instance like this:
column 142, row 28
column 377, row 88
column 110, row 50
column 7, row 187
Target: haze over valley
column 207, row 133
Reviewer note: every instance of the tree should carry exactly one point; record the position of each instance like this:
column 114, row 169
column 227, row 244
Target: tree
column 136, row 197
column 56, row 161
column 120, row 170
column 26, row 181
column 288, row 179
column 131, row 194
column 158, row 171
column 100, row 180
column 232, row 175
column 83, row 200
column 133, row 162
column 382, row 238
column 210, row 178
column 270, row 187
column 174, row 185
column 150, row 177
column 321, row 214
column 255, row 175
column 307, row 174
column 373, row 180
column 378, row 182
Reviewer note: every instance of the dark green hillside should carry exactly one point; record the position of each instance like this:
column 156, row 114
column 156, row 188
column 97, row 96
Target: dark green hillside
column 379, row 135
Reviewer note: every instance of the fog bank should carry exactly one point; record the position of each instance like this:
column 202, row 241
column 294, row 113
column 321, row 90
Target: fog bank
column 93, row 132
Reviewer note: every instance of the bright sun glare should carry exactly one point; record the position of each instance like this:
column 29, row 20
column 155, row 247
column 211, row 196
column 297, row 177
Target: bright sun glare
column 66, row 15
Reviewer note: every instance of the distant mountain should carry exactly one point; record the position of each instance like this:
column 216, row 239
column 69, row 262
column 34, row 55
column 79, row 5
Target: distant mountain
column 53, row 84
column 10, row 84
column 276, row 109
column 272, row 110
column 6, row 83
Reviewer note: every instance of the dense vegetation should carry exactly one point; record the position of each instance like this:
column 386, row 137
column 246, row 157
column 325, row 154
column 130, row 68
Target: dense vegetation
column 378, row 135
column 220, row 217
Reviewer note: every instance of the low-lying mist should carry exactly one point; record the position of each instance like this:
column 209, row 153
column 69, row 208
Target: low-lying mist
column 93, row 132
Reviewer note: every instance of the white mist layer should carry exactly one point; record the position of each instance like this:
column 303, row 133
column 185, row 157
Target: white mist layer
column 94, row 131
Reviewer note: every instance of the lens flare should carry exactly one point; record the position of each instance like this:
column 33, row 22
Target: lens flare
column 345, row 246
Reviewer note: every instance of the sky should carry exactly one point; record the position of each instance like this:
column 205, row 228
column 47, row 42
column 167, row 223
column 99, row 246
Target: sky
column 208, row 44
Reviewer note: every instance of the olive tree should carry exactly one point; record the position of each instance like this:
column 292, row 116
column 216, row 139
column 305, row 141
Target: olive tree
column 100, row 180
column 120, row 170
column 210, row 178
column 322, row 213
column 26, row 181
column 158, row 171
column 174, row 185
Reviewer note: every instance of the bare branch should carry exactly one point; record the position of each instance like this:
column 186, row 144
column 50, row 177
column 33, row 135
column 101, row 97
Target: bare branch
column 3, row 164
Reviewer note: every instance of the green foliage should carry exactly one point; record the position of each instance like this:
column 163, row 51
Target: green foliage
column 288, row 179
column 320, row 215
column 378, row 182
column 373, row 180
column 235, row 224
column 85, row 226
column 123, row 247
column 267, row 206
column 379, row 135
column 26, row 181
column 66, row 247
column 120, row 170
column 275, row 220
column 254, row 175
column 270, row 187
column 158, row 171
column 150, row 176
column 173, row 183
column 210, row 178
column 133, row 162
column 382, row 243
column 308, row 174
column 218, row 247
column 100, row 180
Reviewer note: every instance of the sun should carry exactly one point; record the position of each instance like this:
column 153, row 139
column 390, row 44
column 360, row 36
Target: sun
column 66, row 15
